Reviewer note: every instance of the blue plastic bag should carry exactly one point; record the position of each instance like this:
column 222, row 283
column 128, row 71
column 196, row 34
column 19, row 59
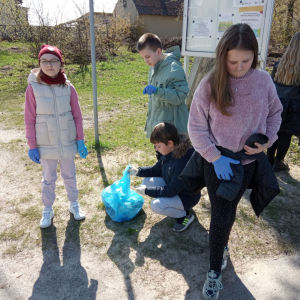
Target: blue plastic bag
column 122, row 203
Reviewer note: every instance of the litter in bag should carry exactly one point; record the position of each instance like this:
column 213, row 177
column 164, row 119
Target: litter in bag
column 122, row 203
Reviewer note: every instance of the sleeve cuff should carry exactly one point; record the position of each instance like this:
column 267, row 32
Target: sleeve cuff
column 210, row 154
column 32, row 144
column 160, row 92
column 272, row 138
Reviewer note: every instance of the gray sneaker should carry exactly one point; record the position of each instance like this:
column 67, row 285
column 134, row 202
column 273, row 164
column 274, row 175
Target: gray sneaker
column 183, row 223
column 77, row 212
column 46, row 220
column 212, row 285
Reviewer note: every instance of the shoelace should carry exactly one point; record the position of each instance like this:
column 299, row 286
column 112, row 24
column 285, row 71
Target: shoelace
column 76, row 209
column 46, row 214
column 213, row 285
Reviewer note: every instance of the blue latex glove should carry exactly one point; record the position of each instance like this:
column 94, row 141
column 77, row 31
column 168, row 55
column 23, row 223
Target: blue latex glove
column 34, row 155
column 82, row 149
column 150, row 89
column 223, row 169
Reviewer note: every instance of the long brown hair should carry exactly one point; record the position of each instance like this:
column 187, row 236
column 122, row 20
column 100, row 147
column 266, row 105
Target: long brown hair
column 288, row 71
column 238, row 36
column 39, row 75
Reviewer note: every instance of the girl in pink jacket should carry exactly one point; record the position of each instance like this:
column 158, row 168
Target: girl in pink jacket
column 233, row 102
column 54, row 129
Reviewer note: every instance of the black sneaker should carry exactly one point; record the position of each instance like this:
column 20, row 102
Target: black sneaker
column 183, row 223
column 280, row 165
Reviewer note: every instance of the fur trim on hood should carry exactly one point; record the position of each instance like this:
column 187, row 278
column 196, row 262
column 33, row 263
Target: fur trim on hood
column 183, row 146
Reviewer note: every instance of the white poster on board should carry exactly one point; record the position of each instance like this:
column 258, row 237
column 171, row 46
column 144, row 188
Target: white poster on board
column 202, row 28
column 253, row 17
column 225, row 21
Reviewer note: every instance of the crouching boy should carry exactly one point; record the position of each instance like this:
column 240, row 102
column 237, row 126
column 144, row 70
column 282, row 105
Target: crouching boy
column 172, row 198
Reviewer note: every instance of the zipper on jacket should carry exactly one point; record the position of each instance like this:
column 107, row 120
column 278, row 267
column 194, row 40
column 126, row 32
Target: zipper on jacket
column 57, row 121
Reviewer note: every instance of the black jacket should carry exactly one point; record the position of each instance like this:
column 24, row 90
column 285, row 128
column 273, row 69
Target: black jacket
column 169, row 167
column 289, row 96
column 264, row 183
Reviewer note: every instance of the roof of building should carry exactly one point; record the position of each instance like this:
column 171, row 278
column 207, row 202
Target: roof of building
column 158, row 7
column 98, row 16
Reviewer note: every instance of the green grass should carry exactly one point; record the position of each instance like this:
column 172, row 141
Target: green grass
column 13, row 83
column 294, row 151
column 12, row 234
column 32, row 213
column 100, row 206
column 11, row 250
column 120, row 82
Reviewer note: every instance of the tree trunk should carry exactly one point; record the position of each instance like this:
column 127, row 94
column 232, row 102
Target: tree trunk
column 289, row 19
column 202, row 65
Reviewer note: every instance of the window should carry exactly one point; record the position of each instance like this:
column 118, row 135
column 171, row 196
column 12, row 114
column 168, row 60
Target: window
column 124, row 3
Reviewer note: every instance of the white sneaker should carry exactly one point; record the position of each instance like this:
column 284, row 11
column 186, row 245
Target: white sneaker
column 47, row 218
column 77, row 212
column 212, row 285
column 225, row 258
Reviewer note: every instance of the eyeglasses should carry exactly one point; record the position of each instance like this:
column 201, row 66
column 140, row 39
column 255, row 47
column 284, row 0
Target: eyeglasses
column 49, row 62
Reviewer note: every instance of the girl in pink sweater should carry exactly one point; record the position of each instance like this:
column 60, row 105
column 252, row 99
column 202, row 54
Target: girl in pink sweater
column 230, row 104
column 54, row 130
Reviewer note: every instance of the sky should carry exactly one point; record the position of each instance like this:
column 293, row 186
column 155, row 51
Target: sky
column 60, row 11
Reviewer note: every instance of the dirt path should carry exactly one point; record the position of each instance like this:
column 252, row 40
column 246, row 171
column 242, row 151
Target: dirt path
column 138, row 260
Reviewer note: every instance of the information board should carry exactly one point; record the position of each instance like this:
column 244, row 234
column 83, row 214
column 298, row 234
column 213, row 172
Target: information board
column 205, row 21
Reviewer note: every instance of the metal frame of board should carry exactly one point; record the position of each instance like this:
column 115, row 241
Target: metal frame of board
column 264, row 36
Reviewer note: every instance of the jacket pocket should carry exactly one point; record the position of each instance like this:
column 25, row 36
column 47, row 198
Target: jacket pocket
column 72, row 131
column 42, row 134
column 164, row 114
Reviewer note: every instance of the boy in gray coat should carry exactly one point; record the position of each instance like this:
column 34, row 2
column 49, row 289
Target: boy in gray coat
column 167, row 86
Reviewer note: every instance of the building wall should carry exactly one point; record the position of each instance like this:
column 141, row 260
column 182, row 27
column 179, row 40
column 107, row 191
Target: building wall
column 162, row 26
column 128, row 11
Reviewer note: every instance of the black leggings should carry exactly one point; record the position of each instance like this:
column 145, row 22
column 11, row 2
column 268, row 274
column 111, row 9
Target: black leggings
column 282, row 146
column 223, row 212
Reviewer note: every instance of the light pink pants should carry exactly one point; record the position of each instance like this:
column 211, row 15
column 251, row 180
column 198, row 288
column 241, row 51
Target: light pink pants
column 171, row 207
column 68, row 173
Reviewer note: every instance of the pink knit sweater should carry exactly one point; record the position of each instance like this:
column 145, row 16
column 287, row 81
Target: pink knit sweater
column 30, row 116
column 257, row 109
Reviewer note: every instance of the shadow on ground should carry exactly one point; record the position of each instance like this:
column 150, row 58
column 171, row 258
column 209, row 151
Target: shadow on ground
column 186, row 253
column 126, row 237
column 283, row 212
column 101, row 166
column 66, row 281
